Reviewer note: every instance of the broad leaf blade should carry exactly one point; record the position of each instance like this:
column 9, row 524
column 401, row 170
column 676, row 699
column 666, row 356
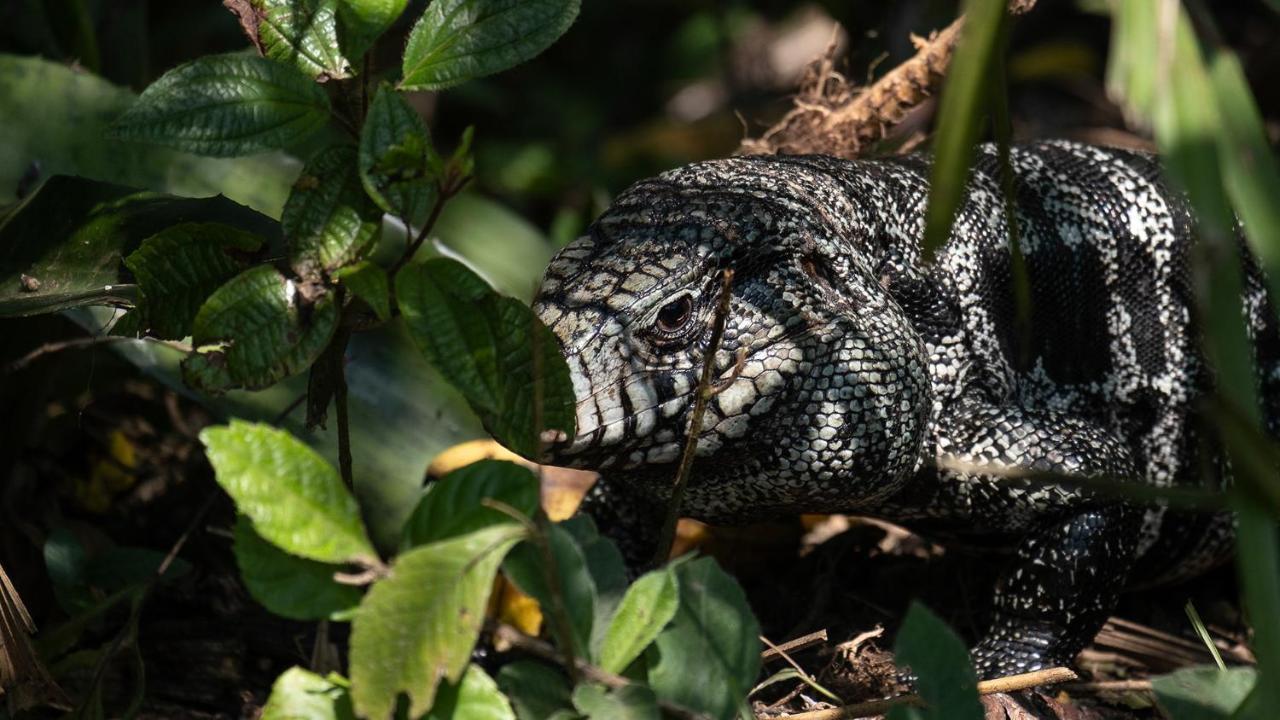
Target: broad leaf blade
column 477, row 697
column 944, row 672
column 394, row 147
column 707, row 659
column 459, row 40
column 492, row 348
column 368, row 282
column 630, row 702
column 287, row 585
column 418, row 626
column 645, row 610
column 538, row 691
column 1204, row 693
column 180, row 266
column 226, row 105
column 303, row 33
column 360, row 22
column 452, row 506
column 295, row 499
column 525, row 567
column 328, row 220
column 300, row 694
column 71, row 236
column 256, row 330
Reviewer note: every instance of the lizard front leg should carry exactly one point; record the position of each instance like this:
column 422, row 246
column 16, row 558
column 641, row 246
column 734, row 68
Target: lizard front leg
column 1076, row 548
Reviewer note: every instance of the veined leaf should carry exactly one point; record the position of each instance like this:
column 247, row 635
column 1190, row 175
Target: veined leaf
column 459, row 40
column 368, row 282
column 295, row 499
column 180, row 266
column 328, row 220
column 648, row 606
column 492, row 348
column 300, row 694
column 630, row 702
column 477, row 697
column 303, row 33
column 524, row 566
column 257, row 330
column 288, row 585
column 418, row 626
column 1204, row 693
column 944, row 672
column 394, row 151
column 226, row 105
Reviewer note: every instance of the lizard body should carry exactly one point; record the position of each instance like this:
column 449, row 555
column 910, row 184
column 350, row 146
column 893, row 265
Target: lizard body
column 861, row 371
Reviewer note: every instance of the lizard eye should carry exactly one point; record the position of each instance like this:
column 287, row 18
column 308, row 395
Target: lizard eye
column 674, row 316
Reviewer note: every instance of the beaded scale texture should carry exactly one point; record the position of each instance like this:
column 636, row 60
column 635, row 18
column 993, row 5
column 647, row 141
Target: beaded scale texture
column 861, row 370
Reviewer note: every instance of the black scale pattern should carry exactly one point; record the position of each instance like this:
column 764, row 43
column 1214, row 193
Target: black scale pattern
column 863, row 366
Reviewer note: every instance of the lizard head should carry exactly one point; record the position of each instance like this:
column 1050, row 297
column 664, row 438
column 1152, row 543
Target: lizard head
column 820, row 380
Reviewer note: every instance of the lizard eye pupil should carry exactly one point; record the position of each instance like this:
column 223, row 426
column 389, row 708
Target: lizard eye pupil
column 675, row 315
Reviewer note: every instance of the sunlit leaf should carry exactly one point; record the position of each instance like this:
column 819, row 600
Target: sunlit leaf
column 303, row 33
column 476, row 698
column 648, row 606
column 1203, row 693
column 295, row 499
column 459, row 40
column 360, row 22
column 300, row 694
column 418, row 626
column 288, row 585
column 180, row 266
column 256, row 330
column 492, row 348
column 226, row 105
column 394, row 149
column 368, row 282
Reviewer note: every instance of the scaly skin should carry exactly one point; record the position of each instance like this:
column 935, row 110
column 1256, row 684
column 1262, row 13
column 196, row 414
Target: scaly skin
column 863, row 366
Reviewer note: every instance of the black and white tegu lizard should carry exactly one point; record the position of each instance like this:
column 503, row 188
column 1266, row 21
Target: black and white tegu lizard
column 865, row 370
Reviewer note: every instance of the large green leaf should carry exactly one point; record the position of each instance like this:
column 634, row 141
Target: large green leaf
column 708, row 657
column 476, row 698
column 362, row 21
column 394, row 151
column 537, row 691
column 459, row 40
column 1204, row 693
column 329, row 221
column 648, row 606
column 69, row 239
column 303, row 33
column 492, row 348
column 368, row 281
column 226, row 105
column 630, row 702
column 55, row 120
column 608, row 574
column 418, row 626
column 179, row 267
column 295, row 499
column 256, row 330
column 452, row 505
column 944, row 674
column 526, row 567
column 300, row 694
column 288, row 585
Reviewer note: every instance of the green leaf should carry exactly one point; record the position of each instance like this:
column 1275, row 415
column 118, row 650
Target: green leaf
column 451, row 505
column 944, row 672
column 328, row 220
column 180, row 266
column 608, row 574
column 256, row 330
column 525, row 566
column 959, row 117
column 646, row 609
column 288, row 585
column 394, row 147
column 368, row 281
column 707, row 659
column 56, row 117
column 459, row 40
column 70, row 237
column 630, row 702
column 476, row 698
column 418, row 626
column 303, row 695
column 295, row 499
column 1203, row 693
column 303, row 33
column 537, row 691
column 226, row 105
column 360, row 22
column 485, row 345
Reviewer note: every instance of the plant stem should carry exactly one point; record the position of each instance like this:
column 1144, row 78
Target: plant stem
column 445, row 191
column 703, row 393
column 339, row 371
